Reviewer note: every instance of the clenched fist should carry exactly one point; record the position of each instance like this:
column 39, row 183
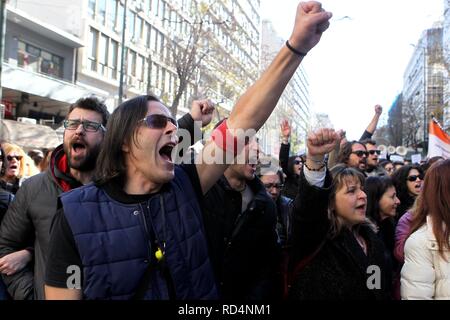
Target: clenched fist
column 321, row 142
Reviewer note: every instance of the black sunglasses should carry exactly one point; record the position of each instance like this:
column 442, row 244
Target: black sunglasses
column 159, row 121
column 9, row 158
column 361, row 153
column 271, row 185
column 298, row 162
column 414, row 177
column 372, row 152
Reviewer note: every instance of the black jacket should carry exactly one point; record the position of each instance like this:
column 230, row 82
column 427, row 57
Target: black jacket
column 5, row 199
column 244, row 247
column 291, row 186
column 339, row 270
column 27, row 223
column 284, row 211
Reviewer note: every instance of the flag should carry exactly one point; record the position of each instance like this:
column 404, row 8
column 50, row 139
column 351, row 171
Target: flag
column 438, row 141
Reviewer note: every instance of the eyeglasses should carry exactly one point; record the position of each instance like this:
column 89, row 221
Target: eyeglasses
column 372, row 152
column 414, row 177
column 158, row 121
column 298, row 162
column 361, row 153
column 18, row 158
column 269, row 186
column 88, row 126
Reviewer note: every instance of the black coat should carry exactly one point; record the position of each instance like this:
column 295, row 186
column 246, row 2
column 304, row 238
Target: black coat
column 291, row 186
column 339, row 269
column 244, row 248
column 5, row 199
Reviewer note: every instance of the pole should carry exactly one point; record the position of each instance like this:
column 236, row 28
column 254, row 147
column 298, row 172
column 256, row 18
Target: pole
column 122, row 60
column 2, row 40
column 425, row 124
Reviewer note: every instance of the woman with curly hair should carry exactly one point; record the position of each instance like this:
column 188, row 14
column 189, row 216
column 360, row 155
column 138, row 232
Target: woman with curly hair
column 14, row 167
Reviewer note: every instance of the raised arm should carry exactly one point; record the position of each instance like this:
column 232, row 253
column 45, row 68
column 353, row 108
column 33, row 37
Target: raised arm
column 310, row 222
column 257, row 103
column 189, row 125
column 373, row 123
column 285, row 146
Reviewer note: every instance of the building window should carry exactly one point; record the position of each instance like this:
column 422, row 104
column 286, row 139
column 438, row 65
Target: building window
column 132, row 64
column 155, row 5
column 120, row 13
column 147, row 35
column 101, row 11
column 113, row 58
column 138, row 33
column 131, row 23
column 91, row 9
column 93, row 40
column 112, row 13
column 140, row 68
column 103, row 55
column 39, row 60
column 147, row 5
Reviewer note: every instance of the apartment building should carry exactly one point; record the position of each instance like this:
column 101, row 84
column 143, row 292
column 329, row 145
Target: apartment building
column 140, row 33
column 294, row 104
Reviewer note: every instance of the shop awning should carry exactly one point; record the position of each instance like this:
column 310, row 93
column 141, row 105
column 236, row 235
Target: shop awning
column 28, row 136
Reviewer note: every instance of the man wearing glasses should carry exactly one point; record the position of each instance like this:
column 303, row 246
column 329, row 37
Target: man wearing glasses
column 373, row 167
column 26, row 225
column 273, row 179
column 138, row 232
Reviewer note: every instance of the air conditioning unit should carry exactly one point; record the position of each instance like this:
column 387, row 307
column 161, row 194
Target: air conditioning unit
column 26, row 120
column 139, row 7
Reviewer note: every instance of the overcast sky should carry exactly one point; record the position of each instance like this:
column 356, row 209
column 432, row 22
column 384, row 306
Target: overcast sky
column 360, row 60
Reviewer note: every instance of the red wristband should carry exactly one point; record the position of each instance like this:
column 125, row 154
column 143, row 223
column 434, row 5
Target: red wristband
column 224, row 139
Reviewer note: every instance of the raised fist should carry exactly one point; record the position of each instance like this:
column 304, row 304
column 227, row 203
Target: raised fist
column 378, row 109
column 322, row 141
column 202, row 110
column 311, row 21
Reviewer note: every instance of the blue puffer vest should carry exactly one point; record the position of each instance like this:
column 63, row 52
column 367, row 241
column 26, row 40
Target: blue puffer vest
column 114, row 245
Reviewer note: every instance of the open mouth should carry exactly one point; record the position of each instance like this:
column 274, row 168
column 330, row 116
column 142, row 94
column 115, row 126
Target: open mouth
column 166, row 151
column 78, row 147
column 361, row 207
column 13, row 167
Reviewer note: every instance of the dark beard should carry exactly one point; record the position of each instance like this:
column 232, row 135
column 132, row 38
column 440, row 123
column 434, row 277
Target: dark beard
column 88, row 163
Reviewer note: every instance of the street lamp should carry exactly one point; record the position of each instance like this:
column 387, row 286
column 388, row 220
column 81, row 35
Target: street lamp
column 122, row 61
column 2, row 39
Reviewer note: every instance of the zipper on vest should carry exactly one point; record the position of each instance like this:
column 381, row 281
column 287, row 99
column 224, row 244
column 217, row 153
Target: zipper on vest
column 149, row 241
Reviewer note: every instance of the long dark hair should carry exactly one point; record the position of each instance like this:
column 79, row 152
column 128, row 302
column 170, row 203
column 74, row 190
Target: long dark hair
column 346, row 151
column 435, row 203
column 374, row 188
column 290, row 165
column 400, row 182
column 120, row 130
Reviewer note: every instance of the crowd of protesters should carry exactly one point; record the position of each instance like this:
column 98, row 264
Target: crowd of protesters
column 119, row 212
